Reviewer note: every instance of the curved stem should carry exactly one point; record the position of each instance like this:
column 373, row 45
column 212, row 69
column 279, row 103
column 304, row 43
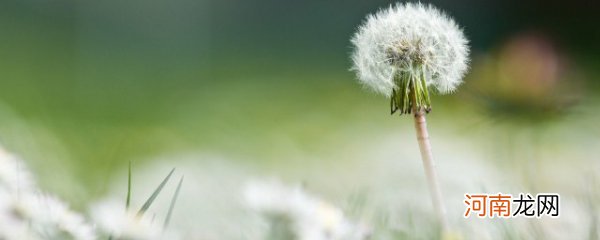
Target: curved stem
column 429, row 166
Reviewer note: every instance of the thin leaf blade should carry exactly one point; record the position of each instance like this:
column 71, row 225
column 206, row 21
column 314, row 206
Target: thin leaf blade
column 172, row 205
column 152, row 197
column 128, row 200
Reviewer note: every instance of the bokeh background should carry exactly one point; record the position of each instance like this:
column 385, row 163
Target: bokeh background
column 264, row 87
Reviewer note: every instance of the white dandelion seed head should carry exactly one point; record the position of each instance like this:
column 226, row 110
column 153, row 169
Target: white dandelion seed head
column 407, row 35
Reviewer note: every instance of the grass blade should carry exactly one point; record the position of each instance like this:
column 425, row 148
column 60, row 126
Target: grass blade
column 128, row 200
column 154, row 194
column 173, row 200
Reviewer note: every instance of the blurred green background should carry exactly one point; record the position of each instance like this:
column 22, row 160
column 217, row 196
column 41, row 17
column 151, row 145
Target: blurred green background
column 87, row 86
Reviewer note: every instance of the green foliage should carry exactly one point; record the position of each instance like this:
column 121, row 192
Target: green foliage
column 155, row 194
column 172, row 205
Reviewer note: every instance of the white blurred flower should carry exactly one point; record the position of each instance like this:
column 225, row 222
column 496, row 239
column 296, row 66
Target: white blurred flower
column 14, row 175
column 404, row 36
column 208, row 208
column 310, row 218
column 26, row 213
column 52, row 218
column 120, row 223
column 13, row 226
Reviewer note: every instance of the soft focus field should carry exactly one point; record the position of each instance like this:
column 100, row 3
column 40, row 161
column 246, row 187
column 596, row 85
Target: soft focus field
column 232, row 92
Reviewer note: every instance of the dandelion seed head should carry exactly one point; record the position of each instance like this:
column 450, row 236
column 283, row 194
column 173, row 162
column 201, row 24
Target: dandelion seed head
column 403, row 37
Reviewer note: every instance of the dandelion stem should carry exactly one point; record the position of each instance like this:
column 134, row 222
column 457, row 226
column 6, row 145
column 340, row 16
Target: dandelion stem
column 429, row 166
